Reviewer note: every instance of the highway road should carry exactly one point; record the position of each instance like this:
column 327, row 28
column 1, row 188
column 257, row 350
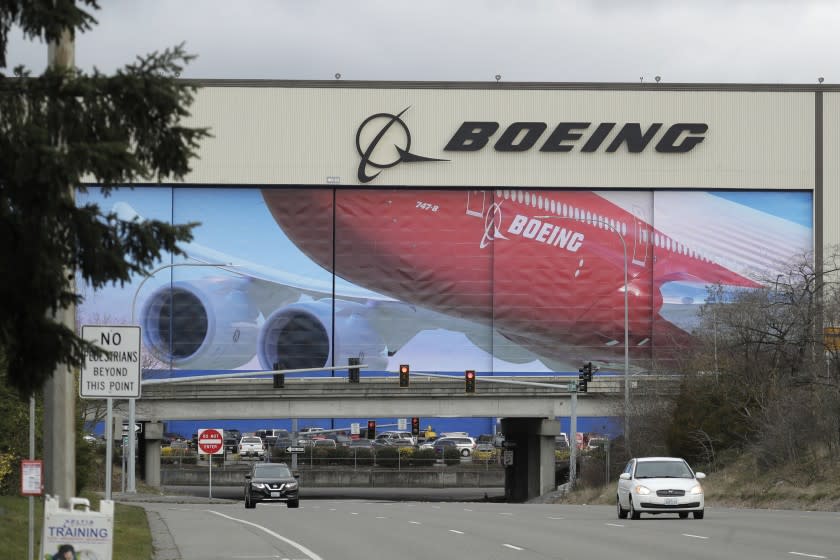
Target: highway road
column 337, row 529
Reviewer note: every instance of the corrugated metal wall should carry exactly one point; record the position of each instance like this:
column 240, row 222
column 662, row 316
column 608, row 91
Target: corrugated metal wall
column 305, row 135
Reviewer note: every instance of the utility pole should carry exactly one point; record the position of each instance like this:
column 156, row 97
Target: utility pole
column 573, row 439
column 59, row 391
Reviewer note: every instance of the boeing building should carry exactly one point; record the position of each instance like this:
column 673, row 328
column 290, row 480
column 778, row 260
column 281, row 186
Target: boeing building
column 508, row 228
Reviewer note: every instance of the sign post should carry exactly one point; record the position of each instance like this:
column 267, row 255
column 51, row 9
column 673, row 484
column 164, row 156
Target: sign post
column 212, row 442
column 115, row 375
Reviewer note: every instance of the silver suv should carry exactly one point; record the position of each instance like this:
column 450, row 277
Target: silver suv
column 466, row 445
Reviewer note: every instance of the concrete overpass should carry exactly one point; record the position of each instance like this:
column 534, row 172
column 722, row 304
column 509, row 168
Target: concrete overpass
column 528, row 408
column 334, row 397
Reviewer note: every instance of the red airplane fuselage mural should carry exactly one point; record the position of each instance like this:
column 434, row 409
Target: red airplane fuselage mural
column 553, row 285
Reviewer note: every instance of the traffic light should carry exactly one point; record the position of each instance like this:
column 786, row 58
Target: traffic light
column 587, row 370
column 353, row 372
column 469, row 381
column 371, row 431
column 585, row 376
column 279, row 378
column 404, row 373
column 415, row 426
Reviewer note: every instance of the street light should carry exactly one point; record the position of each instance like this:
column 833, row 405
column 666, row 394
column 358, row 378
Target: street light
column 132, row 488
column 626, row 321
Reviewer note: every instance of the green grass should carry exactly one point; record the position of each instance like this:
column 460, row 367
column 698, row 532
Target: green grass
column 132, row 539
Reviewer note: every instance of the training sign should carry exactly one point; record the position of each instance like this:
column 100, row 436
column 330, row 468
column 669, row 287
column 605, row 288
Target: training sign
column 116, row 374
column 78, row 530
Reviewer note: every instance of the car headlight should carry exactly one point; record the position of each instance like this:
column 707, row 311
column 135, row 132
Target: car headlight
column 291, row 485
column 696, row 489
column 643, row 490
column 259, row 485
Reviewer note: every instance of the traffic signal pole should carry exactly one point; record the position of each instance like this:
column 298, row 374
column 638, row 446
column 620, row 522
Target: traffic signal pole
column 573, row 441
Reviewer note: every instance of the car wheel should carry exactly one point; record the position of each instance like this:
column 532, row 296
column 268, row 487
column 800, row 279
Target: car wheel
column 683, row 515
column 698, row 514
column 465, row 453
column 633, row 513
column 622, row 513
column 293, row 504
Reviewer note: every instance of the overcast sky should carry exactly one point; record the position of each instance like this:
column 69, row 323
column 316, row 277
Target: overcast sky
column 735, row 41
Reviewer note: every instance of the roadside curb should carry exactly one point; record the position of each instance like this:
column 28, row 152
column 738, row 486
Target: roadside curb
column 162, row 541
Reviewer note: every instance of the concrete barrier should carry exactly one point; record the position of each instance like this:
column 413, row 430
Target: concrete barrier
column 439, row 477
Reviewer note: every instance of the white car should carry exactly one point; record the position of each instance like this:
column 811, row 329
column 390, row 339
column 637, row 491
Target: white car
column 659, row 485
column 251, row 445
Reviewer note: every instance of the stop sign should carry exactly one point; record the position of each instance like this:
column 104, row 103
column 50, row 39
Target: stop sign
column 210, row 441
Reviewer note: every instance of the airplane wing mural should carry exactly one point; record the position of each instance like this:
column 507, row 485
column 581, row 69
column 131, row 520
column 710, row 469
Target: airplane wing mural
column 520, row 275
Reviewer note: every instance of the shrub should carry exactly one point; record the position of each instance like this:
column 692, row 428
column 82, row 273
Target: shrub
column 388, row 457
column 361, row 455
column 423, row 458
column 452, row 456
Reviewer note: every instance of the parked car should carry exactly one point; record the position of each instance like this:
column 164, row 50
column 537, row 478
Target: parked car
column 230, row 444
column 428, row 444
column 271, row 482
column 361, row 444
column 466, row 445
column 442, row 444
column 251, row 446
column 659, row 485
column 328, row 443
column 392, row 435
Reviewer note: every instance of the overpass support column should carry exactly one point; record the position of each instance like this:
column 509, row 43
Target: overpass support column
column 532, row 442
column 154, row 433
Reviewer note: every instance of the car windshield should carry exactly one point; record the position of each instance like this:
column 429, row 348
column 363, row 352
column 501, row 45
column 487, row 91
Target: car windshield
column 272, row 471
column 663, row 469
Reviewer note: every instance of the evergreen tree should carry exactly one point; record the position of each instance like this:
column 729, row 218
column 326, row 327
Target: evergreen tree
column 57, row 130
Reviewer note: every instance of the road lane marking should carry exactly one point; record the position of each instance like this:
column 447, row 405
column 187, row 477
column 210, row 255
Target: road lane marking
column 505, row 513
column 512, row 546
column 457, row 532
column 354, row 513
column 694, row 536
column 465, row 509
column 415, row 522
column 614, row 524
column 381, row 517
column 808, row 555
column 332, row 509
column 556, row 518
column 298, row 546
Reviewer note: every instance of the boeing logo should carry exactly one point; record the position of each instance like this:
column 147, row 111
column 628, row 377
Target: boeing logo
column 492, row 223
column 383, row 140
column 529, row 228
column 373, row 129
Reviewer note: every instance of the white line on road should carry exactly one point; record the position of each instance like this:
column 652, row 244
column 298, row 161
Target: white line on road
column 454, row 531
column 694, row 536
column 512, row 546
column 381, row 517
column 298, row 546
column 614, row 524
column 415, row 522
column 465, row 509
column 556, row 518
column 354, row 513
column 505, row 513
column 808, row 555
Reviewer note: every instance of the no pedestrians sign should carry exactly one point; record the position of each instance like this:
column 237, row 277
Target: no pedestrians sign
column 115, row 375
